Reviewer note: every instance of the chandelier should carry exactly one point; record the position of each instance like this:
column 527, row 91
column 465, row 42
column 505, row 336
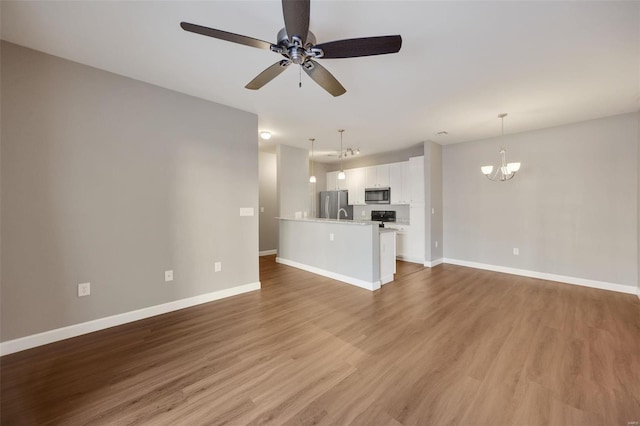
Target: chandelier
column 504, row 171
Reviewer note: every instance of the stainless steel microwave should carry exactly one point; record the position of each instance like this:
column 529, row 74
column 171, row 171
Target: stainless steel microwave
column 377, row 195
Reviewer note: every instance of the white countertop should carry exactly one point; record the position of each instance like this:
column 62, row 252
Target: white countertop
column 383, row 230
column 337, row 221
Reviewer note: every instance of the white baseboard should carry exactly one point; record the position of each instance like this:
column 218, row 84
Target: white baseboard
column 638, row 293
column 602, row 285
column 28, row 342
column 344, row 278
column 433, row 263
column 410, row 259
column 387, row 279
column 268, row 252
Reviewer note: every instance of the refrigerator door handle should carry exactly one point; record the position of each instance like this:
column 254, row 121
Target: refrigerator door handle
column 326, row 206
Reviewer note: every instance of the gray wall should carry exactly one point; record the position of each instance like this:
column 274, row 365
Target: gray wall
column 354, row 252
column 572, row 209
column 113, row 181
column 293, row 180
column 268, row 201
column 375, row 159
column 433, row 201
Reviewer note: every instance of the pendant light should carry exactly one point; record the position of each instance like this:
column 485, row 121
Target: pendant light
column 341, row 175
column 312, row 178
column 505, row 171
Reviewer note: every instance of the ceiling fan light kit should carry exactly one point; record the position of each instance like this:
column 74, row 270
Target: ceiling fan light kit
column 298, row 46
column 505, row 171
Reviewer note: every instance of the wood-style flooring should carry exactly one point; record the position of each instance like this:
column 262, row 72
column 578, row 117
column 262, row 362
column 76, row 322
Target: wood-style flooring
column 447, row 345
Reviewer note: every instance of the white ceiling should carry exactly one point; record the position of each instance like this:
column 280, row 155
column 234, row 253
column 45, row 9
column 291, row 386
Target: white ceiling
column 461, row 63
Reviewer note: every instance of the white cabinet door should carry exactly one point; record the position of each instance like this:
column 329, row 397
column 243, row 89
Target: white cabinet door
column 382, row 176
column 355, row 181
column 402, row 244
column 416, row 233
column 416, row 173
column 370, row 177
column 332, row 181
column 405, row 197
column 395, row 182
column 402, row 240
column 342, row 184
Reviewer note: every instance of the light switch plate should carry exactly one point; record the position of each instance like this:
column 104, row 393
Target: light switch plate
column 168, row 276
column 246, row 211
column 217, row 267
column 516, row 251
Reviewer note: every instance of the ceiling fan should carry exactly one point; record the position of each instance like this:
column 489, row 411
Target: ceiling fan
column 298, row 46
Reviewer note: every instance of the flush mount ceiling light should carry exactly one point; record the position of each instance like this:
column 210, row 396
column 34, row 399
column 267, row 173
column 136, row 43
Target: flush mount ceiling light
column 265, row 135
column 504, row 171
column 341, row 174
column 312, row 178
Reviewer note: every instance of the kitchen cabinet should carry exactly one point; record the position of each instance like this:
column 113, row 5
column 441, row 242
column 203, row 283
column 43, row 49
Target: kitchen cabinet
column 416, row 178
column 335, row 184
column 415, row 238
column 355, row 186
column 377, row 176
column 399, row 182
column 402, row 241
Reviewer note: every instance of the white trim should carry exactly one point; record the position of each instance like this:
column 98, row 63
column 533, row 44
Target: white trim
column 28, row 342
column 409, row 259
column 433, row 263
column 638, row 293
column 344, row 278
column 268, row 252
column 386, row 280
column 545, row 276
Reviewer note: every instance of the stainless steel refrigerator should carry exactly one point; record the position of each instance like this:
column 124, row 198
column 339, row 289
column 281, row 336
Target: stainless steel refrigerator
column 333, row 201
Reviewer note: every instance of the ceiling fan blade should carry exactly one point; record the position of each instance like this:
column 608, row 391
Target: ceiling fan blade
column 267, row 75
column 224, row 35
column 324, row 78
column 296, row 18
column 366, row 46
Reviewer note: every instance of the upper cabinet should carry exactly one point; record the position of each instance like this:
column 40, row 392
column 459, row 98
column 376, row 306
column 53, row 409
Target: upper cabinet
column 355, row 181
column 416, row 177
column 335, row 184
column 399, row 183
column 405, row 181
column 332, row 181
column 377, row 176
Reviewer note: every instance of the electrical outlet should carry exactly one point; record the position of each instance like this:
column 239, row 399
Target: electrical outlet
column 304, row 214
column 217, row 267
column 168, row 276
column 84, row 289
column 330, row 237
column 261, row 209
column 516, row 251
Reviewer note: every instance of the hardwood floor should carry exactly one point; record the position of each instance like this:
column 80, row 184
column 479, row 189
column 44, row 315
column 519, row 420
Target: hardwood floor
column 447, row 345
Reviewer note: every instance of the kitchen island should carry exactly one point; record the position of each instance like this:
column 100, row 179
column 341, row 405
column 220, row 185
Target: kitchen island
column 352, row 251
